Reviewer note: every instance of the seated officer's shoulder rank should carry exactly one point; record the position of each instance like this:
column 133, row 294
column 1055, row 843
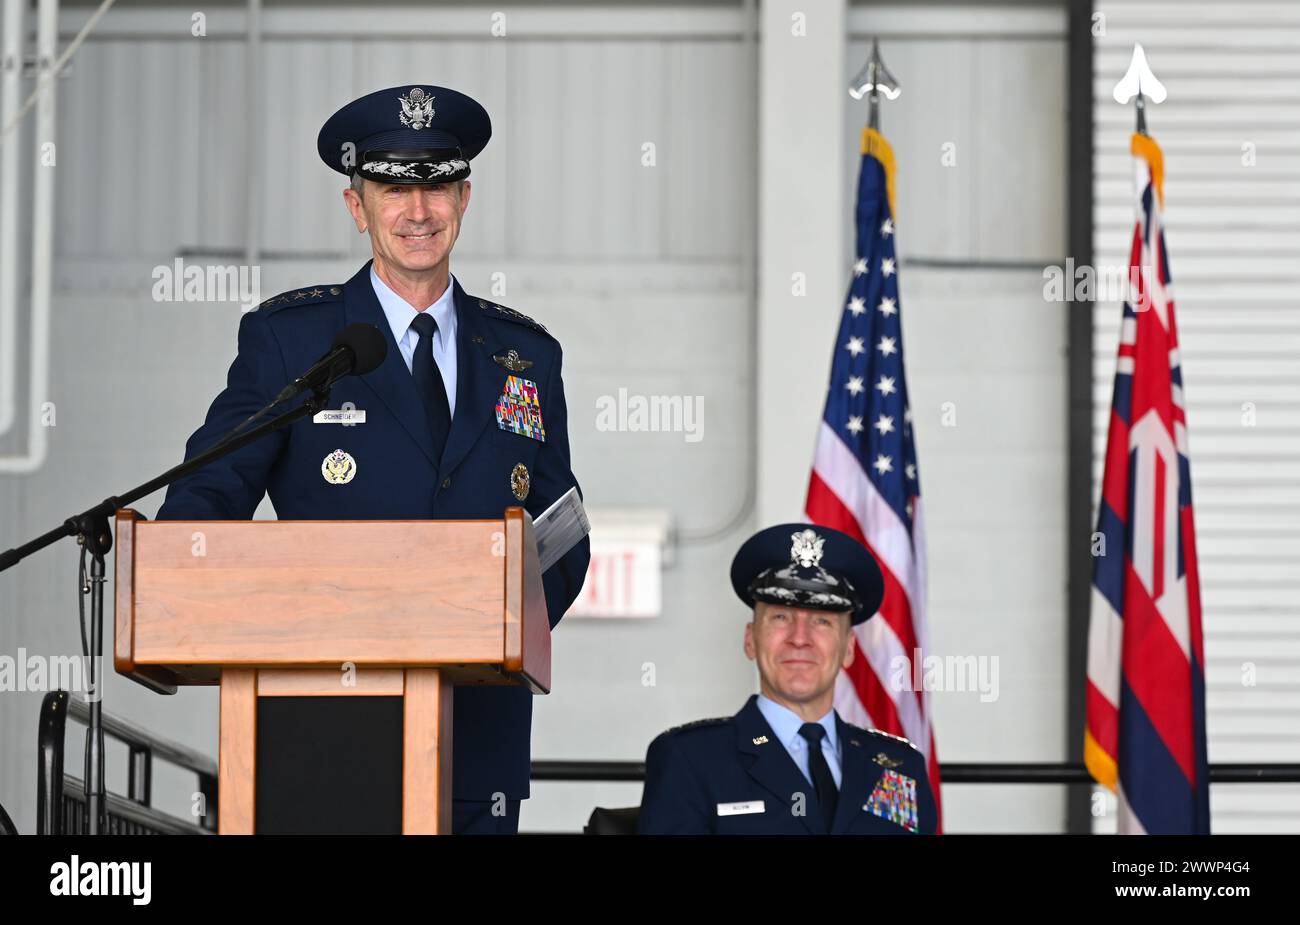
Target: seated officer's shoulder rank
column 699, row 724
column 312, row 295
column 889, row 750
column 494, row 310
column 884, row 745
column 890, row 736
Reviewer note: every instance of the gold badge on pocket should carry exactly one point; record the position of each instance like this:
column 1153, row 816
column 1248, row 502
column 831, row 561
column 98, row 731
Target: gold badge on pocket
column 519, row 481
column 339, row 467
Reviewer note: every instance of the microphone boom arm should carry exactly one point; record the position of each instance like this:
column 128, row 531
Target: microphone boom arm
column 93, row 522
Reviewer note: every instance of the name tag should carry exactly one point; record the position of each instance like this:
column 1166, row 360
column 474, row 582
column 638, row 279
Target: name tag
column 357, row 416
column 741, row 809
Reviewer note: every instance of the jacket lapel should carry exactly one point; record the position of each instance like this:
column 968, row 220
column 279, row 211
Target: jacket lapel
column 773, row 767
column 858, row 776
column 391, row 381
column 479, row 380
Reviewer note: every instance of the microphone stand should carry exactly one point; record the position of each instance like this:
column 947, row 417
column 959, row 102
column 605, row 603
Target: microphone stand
column 91, row 529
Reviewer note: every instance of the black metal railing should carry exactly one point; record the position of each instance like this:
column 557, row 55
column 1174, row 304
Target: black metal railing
column 622, row 820
column 61, row 798
column 1043, row 772
column 122, row 816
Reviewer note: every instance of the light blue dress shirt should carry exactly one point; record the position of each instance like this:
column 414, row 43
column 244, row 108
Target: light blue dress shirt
column 401, row 313
column 786, row 723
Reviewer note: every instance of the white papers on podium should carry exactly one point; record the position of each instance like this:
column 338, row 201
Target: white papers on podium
column 559, row 528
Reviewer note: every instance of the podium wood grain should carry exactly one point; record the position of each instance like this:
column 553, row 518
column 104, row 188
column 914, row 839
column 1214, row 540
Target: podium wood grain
column 426, row 752
column 333, row 608
column 237, row 759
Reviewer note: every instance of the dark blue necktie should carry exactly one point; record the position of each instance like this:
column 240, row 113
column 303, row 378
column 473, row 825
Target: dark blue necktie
column 827, row 794
column 428, row 382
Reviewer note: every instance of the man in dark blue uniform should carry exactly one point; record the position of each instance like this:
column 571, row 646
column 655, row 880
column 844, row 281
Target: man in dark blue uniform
column 786, row 764
column 465, row 417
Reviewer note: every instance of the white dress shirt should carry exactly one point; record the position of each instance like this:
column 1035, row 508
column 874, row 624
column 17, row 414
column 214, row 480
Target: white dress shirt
column 401, row 313
column 786, row 724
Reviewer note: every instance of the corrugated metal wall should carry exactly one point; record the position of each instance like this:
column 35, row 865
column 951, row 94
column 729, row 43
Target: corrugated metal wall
column 637, row 268
column 644, row 273
column 155, row 132
column 1232, row 226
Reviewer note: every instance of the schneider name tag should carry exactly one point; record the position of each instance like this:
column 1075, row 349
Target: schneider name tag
column 339, row 417
column 740, row 809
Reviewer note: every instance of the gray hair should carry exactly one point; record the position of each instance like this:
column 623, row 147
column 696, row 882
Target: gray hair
column 359, row 184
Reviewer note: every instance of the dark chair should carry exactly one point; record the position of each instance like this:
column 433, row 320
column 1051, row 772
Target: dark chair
column 7, row 826
column 612, row 821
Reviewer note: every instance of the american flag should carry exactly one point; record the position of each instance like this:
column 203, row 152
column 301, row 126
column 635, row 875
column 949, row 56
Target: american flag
column 865, row 481
column 1146, row 664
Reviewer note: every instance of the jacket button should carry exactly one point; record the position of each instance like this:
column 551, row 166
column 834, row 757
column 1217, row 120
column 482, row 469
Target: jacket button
column 446, row 483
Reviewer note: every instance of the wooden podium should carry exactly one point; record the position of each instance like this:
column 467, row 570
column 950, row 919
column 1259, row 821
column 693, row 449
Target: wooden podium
column 333, row 608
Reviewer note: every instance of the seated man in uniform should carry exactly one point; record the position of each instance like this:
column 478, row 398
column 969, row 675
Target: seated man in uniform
column 786, row 763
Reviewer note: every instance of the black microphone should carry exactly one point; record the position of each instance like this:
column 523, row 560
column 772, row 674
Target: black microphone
column 357, row 350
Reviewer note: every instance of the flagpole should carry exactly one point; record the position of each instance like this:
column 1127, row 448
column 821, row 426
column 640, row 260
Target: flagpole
column 873, row 107
column 1165, row 712
column 1139, row 83
column 870, row 81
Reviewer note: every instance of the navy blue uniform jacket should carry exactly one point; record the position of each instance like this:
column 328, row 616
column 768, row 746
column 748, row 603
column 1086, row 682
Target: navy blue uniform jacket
column 398, row 476
column 732, row 777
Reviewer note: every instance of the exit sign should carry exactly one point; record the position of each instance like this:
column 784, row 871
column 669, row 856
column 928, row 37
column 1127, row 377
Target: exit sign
column 625, row 577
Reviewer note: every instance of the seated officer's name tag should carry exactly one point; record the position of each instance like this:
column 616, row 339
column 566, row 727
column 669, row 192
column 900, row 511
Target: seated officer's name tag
column 741, row 809
column 341, row 416
column 894, row 799
column 518, row 409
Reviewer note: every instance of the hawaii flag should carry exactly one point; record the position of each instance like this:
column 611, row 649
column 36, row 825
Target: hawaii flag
column 865, row 481
column 1146, row 665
